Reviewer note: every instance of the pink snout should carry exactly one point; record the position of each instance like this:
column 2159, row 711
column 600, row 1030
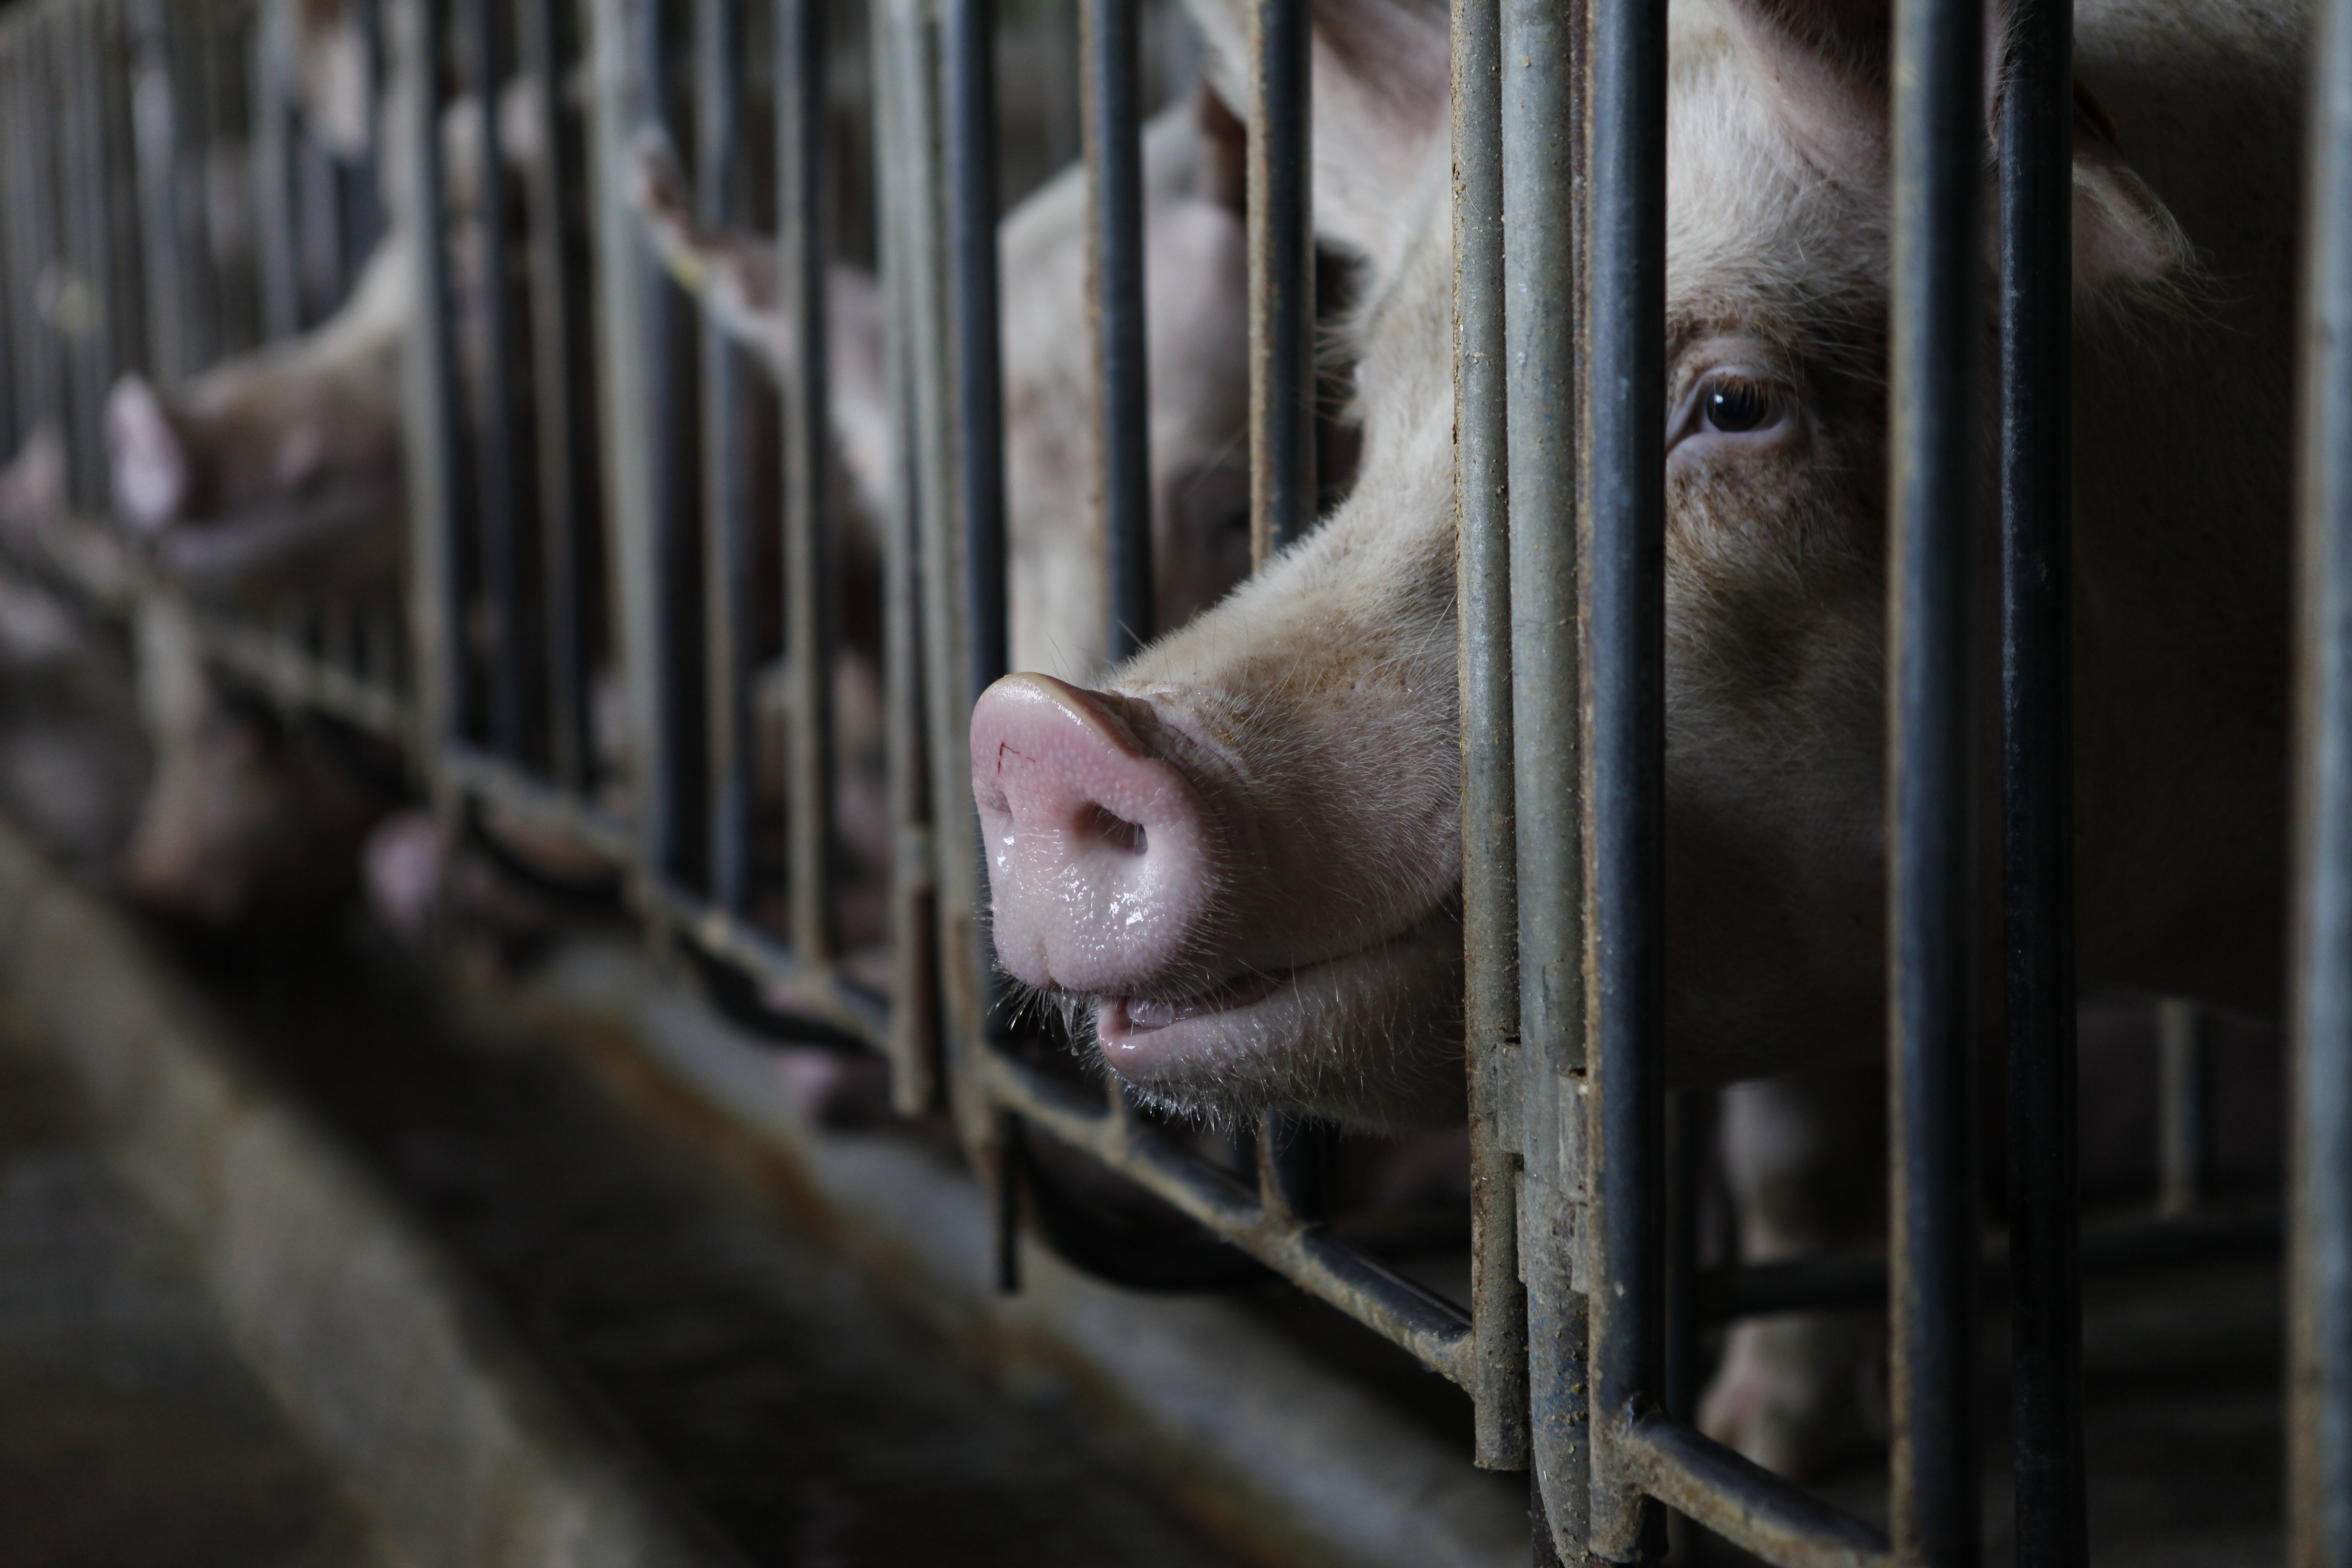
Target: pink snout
column 1102, row 859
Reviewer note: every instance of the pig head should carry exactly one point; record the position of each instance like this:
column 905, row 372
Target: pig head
column 1239, row 859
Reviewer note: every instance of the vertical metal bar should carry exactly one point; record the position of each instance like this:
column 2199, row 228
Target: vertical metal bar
column 155, row 129
column 126, row 302
column 2037, row 122
column 563, row 355
column 947, row 678
column 804, row 256
column 672, row 786
column 2319, row 1381
column 193, row 131
column 729, row 603
column 73, row 296
column 1489, row 877
column 2183, row 1133
column 1110, row 92
column 968, row 76
column 1541, row 112
column 1281, row 277
column 435, row 457
column 915, row 1066
column 968, row 129
column 272, row 148
column 1623, row 612
column 498, row 422
column 1933, row 583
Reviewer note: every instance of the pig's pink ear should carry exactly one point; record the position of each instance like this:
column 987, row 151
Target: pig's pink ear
column 149, row 461
column 2124, row 234
column 1823, row 65
column 1378, row 97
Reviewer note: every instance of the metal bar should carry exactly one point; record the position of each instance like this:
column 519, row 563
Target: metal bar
column 498, row 419
column 728, row 608
column 1932, row 586
column 79, row 297
column 968, row 78
column 2184, row 1135
column 155, row 125
column 435, row 452
column 913, row 1044
column 1498, row 1384
column 674, row 768
column 564, row 356
column 2037, row 121
column 125, row 320
column 1281, row 220
column 1541, row 112
column 823, row 990
column 1740, row 1501
column 1110, row 94
column 805, row 254
column 271, row 150
column 1430, row 1328
column 519, row 793
column 296, row 680
column 1622, row 534
column 2319, row 1280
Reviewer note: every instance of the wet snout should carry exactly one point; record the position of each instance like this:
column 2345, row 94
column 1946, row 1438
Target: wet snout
column 1102, row 859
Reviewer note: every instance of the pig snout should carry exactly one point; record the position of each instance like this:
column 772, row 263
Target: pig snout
column 1103, row 859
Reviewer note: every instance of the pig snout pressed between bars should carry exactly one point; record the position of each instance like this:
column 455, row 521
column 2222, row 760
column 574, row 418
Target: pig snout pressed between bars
column 1101, row 854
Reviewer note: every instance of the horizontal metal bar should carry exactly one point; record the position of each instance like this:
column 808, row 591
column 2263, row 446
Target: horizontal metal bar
column 502, row 784
column 1825, row 1284
column 292, row 676
column 1739, row 1499
column 827, row 993
column 1431, row 1327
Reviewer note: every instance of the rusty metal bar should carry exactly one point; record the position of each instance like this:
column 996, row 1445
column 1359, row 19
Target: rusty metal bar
column 1281, row 226
column 2319, row 1278
column 803, row 254
column 745, row 946
column 1933, row 583
column 563, row 347
column 730, row 608
column 1110, row 95
column 1498, row 1382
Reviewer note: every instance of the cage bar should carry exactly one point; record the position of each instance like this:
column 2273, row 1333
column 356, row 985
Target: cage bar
column 2319, row 1285
column 1112, row 92
column 2036, row 194
column 729, row 609
column 804, row 252
column 1281, row 275
column 1932, row 585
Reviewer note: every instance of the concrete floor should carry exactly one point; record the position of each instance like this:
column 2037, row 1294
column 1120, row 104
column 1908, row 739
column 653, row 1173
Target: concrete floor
column 131, row 1435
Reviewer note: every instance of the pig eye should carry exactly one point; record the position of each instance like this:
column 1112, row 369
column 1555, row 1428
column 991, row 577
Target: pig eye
column 1739, row 406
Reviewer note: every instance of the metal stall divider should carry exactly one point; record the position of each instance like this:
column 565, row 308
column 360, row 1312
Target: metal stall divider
column 2319, row 1283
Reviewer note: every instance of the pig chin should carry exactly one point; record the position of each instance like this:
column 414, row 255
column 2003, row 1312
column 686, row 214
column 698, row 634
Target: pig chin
column 1371, row 1039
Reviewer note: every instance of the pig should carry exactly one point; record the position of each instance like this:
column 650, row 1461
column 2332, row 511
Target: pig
column 1197, row 351
column 1236, row 859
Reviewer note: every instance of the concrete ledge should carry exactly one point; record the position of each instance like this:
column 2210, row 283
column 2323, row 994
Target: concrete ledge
column 1293, row 1461
column 464, row 1454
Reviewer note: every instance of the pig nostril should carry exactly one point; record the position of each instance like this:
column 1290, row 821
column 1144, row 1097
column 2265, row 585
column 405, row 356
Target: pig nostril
column 1114, row 831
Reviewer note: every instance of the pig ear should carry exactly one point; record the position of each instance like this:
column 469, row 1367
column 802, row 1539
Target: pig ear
column 1380, row 94
column 1824, row 66
column 1821, row 64
column 148, row 460
column 2123, row 234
